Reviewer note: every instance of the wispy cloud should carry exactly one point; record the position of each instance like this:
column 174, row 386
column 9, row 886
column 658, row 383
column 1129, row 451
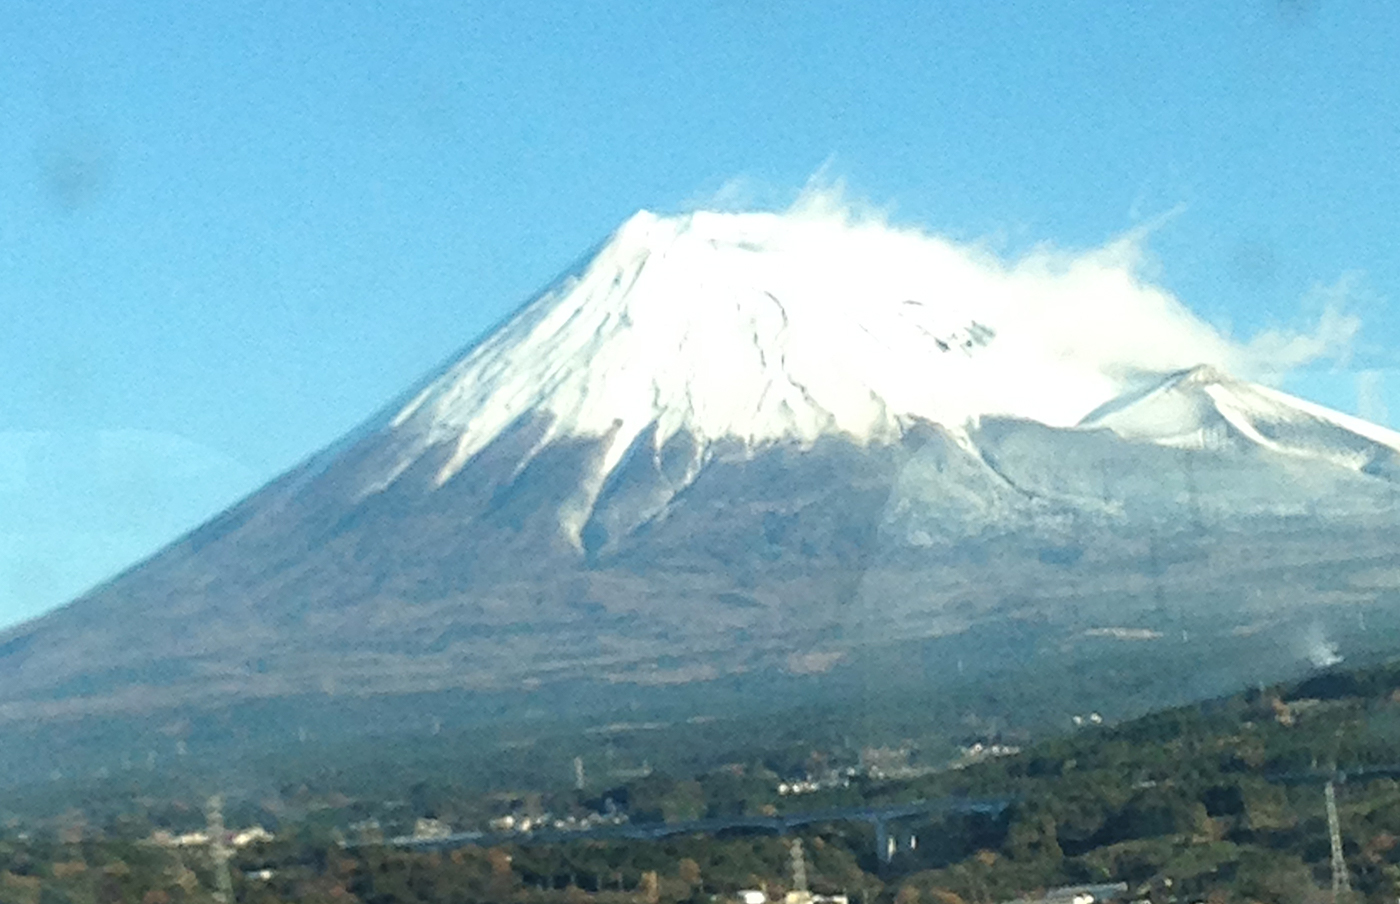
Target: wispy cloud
column 1271, row 354
column 1370, row 397
column 1118, row 300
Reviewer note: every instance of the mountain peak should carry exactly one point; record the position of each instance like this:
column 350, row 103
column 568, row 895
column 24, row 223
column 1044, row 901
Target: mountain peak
column 759, row 328
column 1202, row 375
column 1204, row 408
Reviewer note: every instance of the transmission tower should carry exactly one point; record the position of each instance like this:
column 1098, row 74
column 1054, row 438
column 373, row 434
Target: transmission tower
column 218, row 850
column 1341, row 884
column 799, row 868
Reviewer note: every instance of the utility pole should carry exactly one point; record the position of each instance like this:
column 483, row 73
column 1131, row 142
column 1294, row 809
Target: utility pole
column 1341, row 883
column 218, row 850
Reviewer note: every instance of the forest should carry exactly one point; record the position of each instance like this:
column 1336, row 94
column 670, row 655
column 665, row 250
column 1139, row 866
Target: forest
column 1221, row 801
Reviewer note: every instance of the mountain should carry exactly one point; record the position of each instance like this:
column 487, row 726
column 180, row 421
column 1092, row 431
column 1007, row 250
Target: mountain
column 759, row 444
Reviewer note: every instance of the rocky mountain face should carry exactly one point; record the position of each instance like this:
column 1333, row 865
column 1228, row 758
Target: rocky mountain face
column 742, row 444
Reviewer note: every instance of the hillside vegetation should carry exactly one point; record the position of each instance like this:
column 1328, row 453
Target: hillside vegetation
column 1220, row 801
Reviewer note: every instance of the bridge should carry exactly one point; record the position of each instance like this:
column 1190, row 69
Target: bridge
column 879, row 817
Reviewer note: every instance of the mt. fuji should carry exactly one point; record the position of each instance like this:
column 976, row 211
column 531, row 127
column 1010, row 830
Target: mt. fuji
column 760, row 329
column 742, row 444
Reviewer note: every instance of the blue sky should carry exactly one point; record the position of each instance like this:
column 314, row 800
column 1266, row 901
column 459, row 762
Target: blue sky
column 229, row 232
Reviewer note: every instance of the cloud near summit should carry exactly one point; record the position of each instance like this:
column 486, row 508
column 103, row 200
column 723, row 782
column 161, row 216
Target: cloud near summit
column 1101, row 304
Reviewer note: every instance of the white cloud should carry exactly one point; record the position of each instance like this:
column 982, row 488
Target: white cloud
column 1105, row 303
column 1270, row 354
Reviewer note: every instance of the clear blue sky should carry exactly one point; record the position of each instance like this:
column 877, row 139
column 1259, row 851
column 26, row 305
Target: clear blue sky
column 231, row 231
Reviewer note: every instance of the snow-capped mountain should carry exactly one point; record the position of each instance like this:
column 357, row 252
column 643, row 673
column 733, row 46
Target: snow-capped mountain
column 749, row 330
column 737, row 442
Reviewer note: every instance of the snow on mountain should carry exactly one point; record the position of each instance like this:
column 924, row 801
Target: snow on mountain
column 1202, row 408
column 762, row 328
